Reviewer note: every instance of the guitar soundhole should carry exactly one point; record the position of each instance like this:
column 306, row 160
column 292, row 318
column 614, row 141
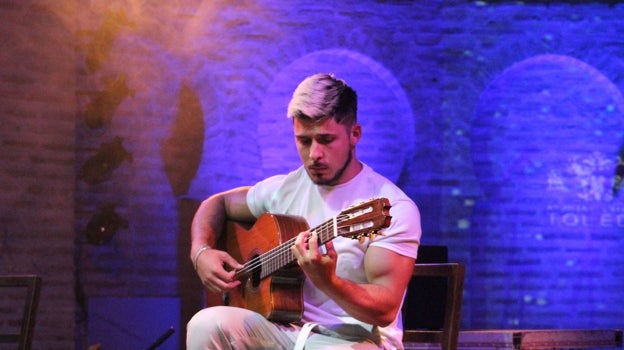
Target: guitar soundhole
column 256, row 271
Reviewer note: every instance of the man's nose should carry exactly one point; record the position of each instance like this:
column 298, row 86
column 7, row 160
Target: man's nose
column 316, row 151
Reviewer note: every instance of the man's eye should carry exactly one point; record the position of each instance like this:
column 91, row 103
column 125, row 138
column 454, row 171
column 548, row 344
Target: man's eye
column 325, row 140
column 304, row 142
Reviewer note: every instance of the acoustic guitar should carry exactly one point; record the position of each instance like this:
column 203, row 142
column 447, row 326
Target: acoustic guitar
column 271, row 281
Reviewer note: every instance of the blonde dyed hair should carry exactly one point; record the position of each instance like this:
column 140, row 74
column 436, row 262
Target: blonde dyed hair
column 321, row 96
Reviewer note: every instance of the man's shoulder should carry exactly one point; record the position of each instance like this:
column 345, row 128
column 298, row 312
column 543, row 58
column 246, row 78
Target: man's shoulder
column 279, row 180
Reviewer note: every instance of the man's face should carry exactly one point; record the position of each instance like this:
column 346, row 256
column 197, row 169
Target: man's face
column 326, row 149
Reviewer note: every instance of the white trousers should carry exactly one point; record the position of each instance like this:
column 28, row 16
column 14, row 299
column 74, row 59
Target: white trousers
column 224, row 327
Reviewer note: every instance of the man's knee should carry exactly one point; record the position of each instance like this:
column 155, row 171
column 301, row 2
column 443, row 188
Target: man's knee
column 206, row 328
column 209, row 319
column 222, row 326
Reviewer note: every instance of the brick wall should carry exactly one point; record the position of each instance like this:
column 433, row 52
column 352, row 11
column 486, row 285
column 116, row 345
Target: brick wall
column 541, row 106
column 125, row 115
column 37, row 137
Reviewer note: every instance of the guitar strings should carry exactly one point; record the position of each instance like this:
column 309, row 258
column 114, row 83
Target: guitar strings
column 268, row 257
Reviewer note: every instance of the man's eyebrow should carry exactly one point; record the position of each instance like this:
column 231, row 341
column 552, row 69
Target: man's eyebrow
column 316, row 135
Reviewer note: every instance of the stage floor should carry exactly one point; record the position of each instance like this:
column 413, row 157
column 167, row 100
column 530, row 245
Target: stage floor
column 526, row 339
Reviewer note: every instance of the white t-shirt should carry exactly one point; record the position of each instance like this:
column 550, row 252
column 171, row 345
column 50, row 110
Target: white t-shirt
column 296, row 194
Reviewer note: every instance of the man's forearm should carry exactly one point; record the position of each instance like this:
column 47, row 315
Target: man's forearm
column 207, row 224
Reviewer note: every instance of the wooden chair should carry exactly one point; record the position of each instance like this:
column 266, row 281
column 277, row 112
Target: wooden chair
column 14, row 289
column 446, row 335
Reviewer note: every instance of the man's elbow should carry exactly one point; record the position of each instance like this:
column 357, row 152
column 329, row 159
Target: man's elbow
column 385, row 319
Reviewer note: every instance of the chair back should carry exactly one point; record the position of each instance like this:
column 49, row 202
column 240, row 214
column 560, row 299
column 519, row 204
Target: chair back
column 19, row 299
column 448, row 333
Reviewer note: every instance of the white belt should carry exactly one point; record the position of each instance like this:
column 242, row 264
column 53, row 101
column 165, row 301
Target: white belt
column 303, row 335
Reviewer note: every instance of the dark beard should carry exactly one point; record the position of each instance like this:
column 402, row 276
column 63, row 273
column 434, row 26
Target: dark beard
column 335, row 178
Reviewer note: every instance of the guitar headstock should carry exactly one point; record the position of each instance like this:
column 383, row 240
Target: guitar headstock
column 364, row 219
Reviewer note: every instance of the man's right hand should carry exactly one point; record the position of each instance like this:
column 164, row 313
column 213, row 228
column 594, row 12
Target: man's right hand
column 216, row 269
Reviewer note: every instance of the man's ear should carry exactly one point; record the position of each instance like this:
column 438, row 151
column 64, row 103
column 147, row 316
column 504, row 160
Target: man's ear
column 356, row 133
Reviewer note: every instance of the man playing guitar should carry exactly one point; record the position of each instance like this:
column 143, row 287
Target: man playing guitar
column 351, row 290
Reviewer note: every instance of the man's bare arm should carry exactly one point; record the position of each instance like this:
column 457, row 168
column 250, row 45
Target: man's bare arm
column 207, row 226
column 376, row 302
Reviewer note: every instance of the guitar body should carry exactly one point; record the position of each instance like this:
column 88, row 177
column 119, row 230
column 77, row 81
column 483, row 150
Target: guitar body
column 271, row 280
column 278, row 297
